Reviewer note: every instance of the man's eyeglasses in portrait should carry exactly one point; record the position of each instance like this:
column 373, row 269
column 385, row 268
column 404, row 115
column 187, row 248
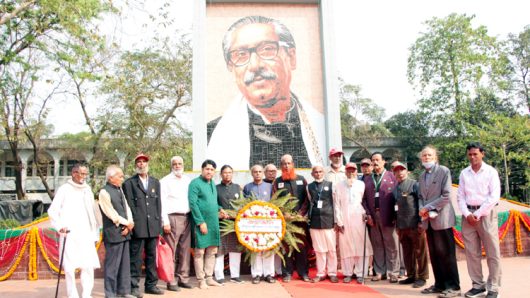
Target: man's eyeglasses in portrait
column 266, row 50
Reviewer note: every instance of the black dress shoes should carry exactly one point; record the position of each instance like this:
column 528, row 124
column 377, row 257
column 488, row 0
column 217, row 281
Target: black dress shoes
column 174, row 288
column 185, row 285
column 154, row 290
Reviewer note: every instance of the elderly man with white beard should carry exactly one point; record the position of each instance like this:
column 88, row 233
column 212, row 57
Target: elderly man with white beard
column 143, row 196
column 175, row 219
column 349, row 215
column 335, row 172
column 72, row 211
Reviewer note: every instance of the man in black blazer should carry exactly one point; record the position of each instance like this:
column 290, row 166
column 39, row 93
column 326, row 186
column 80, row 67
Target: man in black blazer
column 143, row 196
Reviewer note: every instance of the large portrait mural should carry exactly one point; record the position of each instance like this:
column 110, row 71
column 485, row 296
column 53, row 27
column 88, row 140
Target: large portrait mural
column 264, row 84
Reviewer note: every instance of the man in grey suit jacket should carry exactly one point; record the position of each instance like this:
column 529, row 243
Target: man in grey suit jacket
column 438, row 219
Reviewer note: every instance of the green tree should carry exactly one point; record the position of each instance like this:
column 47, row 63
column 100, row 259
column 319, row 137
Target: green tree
column 361, row 118
column 31, row 32
column 413, row 129
column 519, row 54
column 507, row 143
column 31, row 24
column 449, row 63
column 148, row 90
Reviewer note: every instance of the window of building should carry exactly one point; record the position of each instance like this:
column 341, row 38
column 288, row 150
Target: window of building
column 10, row 169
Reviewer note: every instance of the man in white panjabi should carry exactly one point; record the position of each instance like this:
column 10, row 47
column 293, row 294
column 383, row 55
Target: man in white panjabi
column 350, row 221
column 73, row 214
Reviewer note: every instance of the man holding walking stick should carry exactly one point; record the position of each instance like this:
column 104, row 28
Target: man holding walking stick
column 350, row 216
column 73, row 211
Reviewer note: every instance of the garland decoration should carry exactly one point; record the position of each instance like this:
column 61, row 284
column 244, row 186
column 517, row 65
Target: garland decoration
column 32, row 264
column 36, row 222
column 260, row 226
column 516, row 218
column 11, row 253
column 51, row 246
column 286, row 205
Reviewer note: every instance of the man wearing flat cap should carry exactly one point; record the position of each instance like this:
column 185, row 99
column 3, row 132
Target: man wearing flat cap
column 143, row 197
column 335, row 172
column 366, row 168
column 411, row 236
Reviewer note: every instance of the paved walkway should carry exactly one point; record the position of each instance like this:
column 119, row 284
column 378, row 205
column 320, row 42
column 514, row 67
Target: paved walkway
column 515, row 283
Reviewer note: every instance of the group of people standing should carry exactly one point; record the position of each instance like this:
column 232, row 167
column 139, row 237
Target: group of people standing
column 401, row 216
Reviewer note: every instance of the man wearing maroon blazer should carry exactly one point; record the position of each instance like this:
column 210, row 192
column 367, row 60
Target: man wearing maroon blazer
column 378, row 201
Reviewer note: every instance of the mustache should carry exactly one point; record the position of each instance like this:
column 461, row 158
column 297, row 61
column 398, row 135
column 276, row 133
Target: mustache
column 251, row 76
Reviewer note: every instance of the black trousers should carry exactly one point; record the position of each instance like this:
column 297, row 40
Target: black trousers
column 443, row 258
column 117, row 269
column 137, row 246
column 298, row 259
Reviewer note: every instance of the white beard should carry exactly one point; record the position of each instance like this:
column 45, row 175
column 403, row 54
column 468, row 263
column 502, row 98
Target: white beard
column 142, row 171
column 178, row 173
column 336, row 165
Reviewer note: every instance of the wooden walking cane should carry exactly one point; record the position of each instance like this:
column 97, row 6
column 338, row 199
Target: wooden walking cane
column 61, row 264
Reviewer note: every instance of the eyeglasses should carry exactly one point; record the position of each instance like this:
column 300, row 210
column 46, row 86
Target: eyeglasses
column 266, row 50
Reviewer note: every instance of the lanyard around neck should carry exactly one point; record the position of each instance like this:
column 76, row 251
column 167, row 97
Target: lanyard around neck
column 378, row 182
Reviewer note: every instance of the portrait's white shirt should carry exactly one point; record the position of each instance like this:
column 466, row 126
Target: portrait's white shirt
column 230, row 140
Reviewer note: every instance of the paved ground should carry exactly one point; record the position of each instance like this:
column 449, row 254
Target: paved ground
column 516, row 283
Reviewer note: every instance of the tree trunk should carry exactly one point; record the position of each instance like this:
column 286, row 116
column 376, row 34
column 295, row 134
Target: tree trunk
column 506, row 179
column 36, row 163
column 21, row 195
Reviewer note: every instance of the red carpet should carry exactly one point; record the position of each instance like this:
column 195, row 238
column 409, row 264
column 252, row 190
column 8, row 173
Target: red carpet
column 325, row 289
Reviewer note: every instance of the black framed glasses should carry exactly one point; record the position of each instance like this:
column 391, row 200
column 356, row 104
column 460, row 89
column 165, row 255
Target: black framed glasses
column 266, row 50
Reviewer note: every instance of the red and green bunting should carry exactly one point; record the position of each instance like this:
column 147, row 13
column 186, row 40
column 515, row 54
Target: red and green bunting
column 13, row 242
column 506, row 219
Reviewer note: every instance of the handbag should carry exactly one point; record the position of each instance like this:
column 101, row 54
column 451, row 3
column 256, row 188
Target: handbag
column 165, row 266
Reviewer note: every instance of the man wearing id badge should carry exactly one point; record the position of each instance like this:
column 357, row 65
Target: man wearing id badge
column 228, row 191
column 296, row 185
column 321, row 224
column 378, row 201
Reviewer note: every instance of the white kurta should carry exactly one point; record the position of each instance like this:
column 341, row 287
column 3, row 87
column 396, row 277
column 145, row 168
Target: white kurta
column 73, row 208
column 350, row 215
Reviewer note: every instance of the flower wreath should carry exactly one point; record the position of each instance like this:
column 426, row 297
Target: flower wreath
column 260, row 226
column 283, row 206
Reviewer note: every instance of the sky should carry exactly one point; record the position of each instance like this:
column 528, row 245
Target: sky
column 372, row 40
